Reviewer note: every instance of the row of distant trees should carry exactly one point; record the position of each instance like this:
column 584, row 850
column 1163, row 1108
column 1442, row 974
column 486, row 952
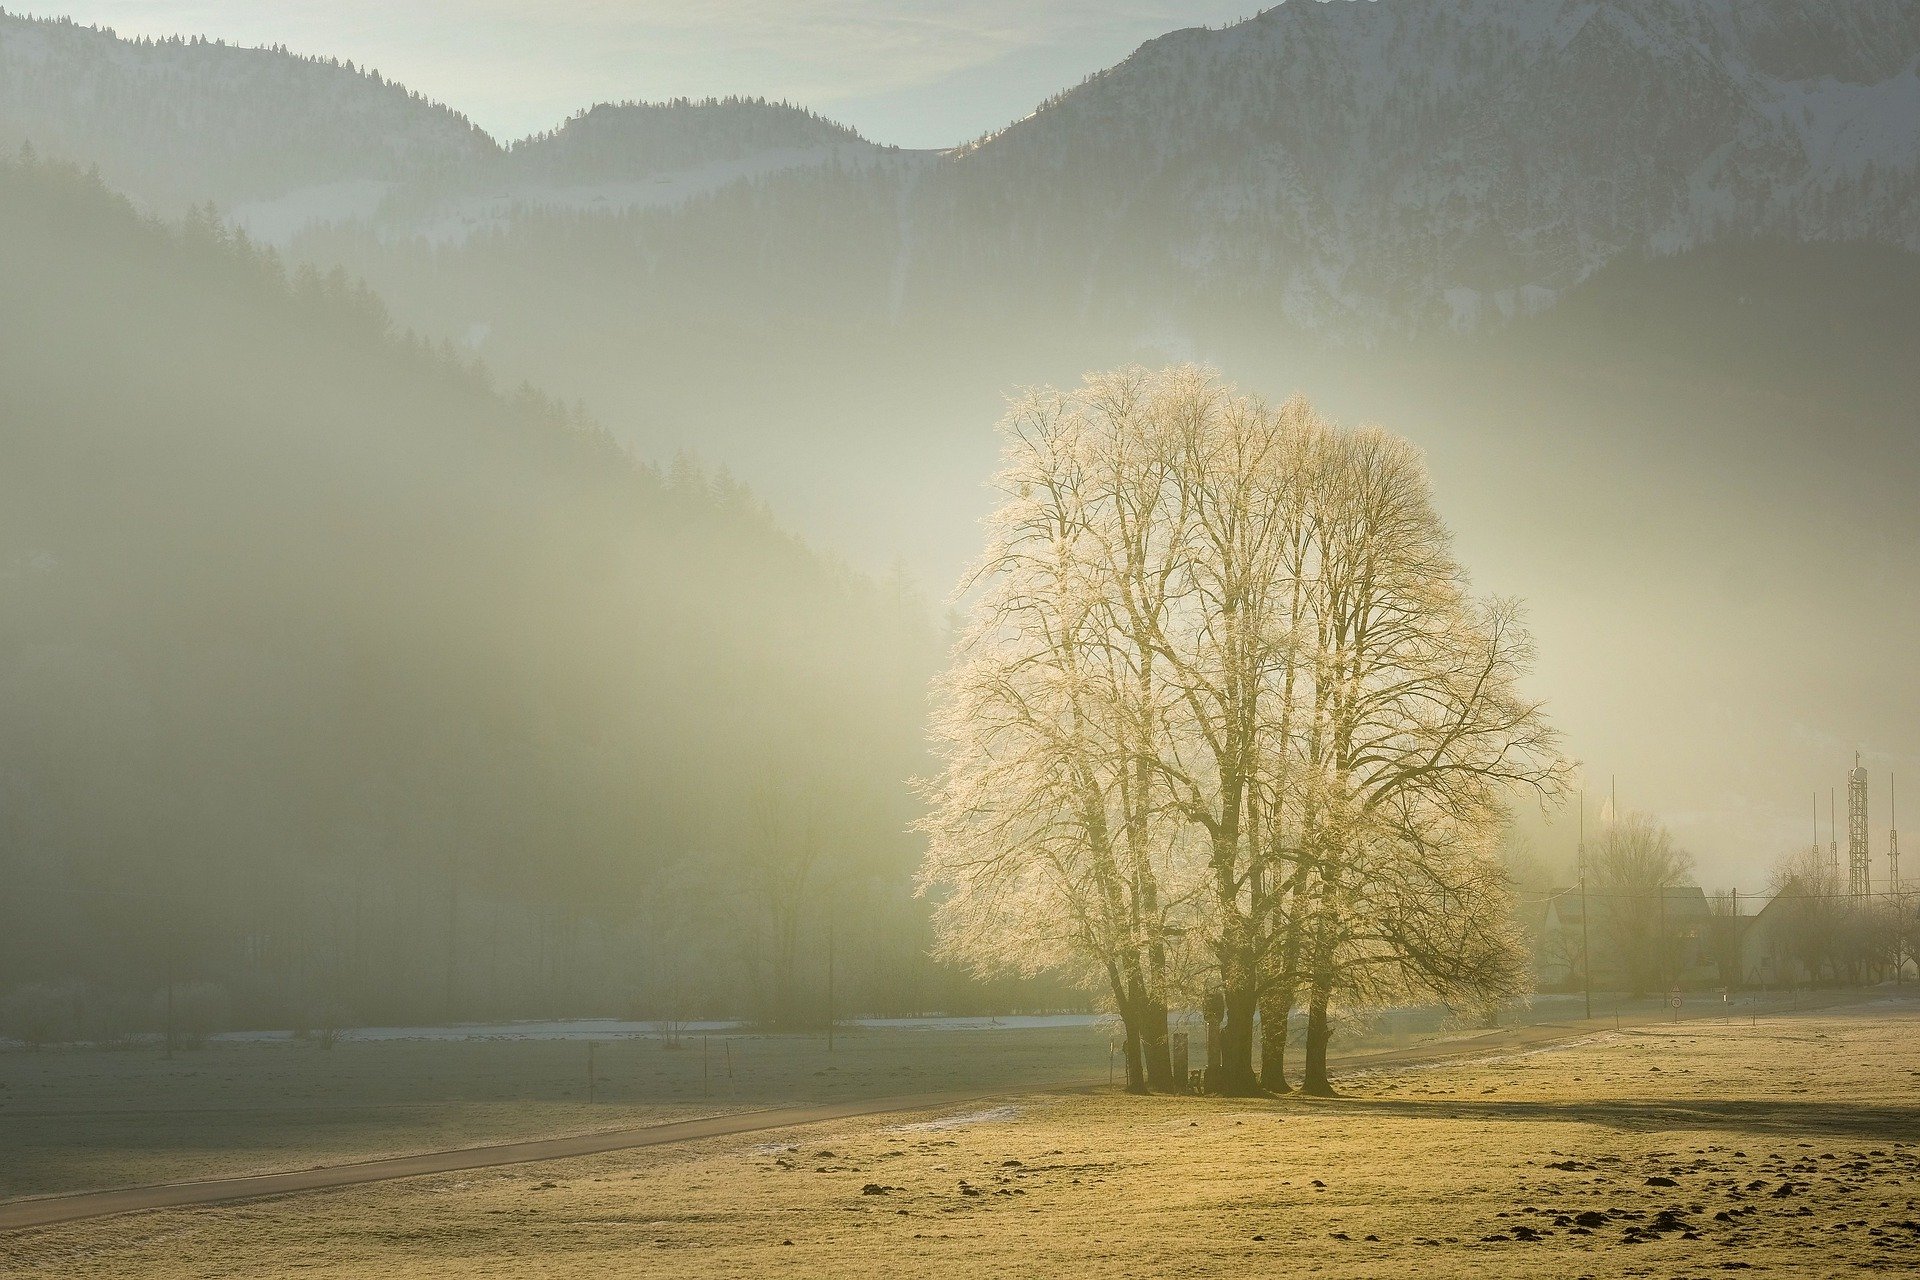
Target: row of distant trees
column 1228, row 727
column 1811, row 927
column 1830, row 935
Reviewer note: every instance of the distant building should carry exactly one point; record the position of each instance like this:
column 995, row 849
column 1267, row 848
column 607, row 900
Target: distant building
column 1767, row 956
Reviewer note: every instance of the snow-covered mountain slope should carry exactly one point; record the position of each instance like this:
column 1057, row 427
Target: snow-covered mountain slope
column 1362, row 163
column 1353, row 167
column 177, row 121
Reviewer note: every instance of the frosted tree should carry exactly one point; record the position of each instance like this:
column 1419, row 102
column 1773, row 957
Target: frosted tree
column 1225, row 685
column 1050, row 842
column 1395, row 716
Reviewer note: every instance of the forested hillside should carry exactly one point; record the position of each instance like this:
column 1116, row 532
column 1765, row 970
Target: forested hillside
column 331, row 673
column 184, row 120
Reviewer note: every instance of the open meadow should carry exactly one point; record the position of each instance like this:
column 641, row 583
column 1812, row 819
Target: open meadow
column 1782, row 1143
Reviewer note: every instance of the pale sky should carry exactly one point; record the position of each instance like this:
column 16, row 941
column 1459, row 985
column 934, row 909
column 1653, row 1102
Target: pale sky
column 916, row 73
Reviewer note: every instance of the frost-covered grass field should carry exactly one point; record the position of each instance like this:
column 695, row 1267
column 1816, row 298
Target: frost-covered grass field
column 1784, row 1145
column 80, row 1119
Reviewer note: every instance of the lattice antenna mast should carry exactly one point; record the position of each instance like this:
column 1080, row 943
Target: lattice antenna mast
column 1816, row 829
column 1859, row 856
column 1893, row 838
column 1833, row 838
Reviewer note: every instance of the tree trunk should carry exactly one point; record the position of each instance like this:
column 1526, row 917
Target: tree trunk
column 1326, row 940
column 1276, row 1006
column 1317, row 1083
column 1236, row 1041
column 1276, row 1013
column 1154, row 1047
column 1136, row 1072
column 1130, row 999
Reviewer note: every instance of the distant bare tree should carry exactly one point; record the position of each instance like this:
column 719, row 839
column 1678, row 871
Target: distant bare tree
column 1634, row 864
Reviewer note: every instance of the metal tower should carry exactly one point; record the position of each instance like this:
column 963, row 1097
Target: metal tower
column 1816, row 831
column 1859, row 868
column 1833, row 840
column 1893, row 838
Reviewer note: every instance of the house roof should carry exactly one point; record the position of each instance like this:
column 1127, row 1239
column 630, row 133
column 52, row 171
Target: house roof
column 1682, row 901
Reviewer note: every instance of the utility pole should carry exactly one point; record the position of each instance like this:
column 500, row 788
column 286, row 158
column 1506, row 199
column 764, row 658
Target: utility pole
column 170, row 968
column 1666, row 965
column 1893, row 881
column 829, row 977
column 1586, row 955
column 453, row 933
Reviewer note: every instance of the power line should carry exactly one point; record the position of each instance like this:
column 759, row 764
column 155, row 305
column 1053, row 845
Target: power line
column 1550, row 895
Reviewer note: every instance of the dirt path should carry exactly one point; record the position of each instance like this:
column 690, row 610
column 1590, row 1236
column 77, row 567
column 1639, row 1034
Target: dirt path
column 48, row 1210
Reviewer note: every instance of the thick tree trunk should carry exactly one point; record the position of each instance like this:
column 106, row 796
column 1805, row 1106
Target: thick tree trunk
column 1276, row 1005
column 1326, row 940
column 1154, row 1048
column 1136, row 1069
column 1317, row 1083
column 1236, row 1077
column 1146, row 1018
column 1127, row 1000
column 1276, row 1013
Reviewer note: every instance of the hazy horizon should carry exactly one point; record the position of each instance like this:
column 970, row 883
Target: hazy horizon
column 923, row 76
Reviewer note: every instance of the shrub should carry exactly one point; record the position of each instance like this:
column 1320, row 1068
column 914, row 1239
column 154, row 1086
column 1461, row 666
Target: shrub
column 199, row 1009
column 42, row 1013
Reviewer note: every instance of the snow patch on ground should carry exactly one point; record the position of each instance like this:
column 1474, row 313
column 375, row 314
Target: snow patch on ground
column 619, row 1028
column 1512, row 1055
column 992, row 1115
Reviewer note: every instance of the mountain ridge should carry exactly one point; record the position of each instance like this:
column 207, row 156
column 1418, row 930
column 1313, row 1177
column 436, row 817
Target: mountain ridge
column 1506, row 150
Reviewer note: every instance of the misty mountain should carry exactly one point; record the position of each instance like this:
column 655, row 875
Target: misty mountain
column 281, row 142
column 326, row 665
column 1357, row 167
column 643, row 139
column 176, row 122
column 1350, row 167
column 1644, row 268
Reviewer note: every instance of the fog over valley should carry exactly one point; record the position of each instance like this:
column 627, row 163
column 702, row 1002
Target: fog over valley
column 846, row 589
